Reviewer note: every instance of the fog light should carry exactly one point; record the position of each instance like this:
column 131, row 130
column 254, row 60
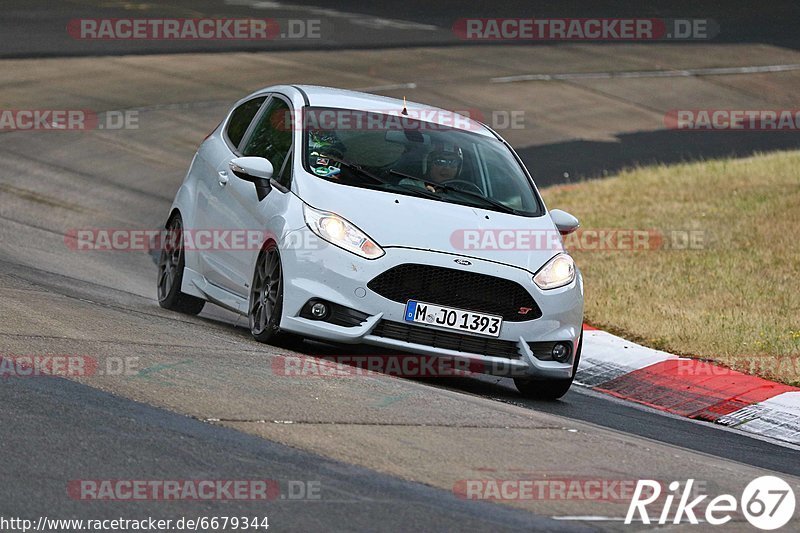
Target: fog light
column 561, row 352
column 319, row 310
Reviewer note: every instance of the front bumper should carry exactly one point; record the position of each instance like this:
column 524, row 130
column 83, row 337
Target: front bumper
column 335, row 275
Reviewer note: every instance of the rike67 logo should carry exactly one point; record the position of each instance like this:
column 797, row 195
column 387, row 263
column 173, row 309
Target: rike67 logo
column 768, row 503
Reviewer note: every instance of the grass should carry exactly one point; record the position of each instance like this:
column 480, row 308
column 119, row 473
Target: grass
column 736, row 299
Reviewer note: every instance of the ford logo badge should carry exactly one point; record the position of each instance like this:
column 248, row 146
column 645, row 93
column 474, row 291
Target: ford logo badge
column 463, row 262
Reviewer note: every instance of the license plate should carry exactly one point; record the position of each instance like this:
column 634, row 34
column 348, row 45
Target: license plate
column 451, row 318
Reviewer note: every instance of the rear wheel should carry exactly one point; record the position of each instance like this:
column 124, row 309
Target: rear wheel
column 170, row 273
column 549, row 389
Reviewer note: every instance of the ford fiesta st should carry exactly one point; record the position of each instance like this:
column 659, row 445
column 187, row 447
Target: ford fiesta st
column 382, row 222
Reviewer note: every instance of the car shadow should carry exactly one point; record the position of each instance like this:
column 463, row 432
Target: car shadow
column 497, row 388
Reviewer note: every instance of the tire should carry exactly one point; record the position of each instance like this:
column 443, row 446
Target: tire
column 266, row 297
column 549, row 389
column 171, row 263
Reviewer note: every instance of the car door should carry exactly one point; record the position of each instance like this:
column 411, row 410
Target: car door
column 240, row 209
column 212, row 155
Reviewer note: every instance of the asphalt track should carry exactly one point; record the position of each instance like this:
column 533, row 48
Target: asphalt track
column 60, row 430
column 206, row 402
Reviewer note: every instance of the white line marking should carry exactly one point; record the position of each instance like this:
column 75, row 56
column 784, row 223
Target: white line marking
column 717, row 71
column 590, row 518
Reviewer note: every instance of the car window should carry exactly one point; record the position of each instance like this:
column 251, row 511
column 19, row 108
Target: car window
column 514, row 193
column 241, row 118
column 410, row 156
column 271, row 137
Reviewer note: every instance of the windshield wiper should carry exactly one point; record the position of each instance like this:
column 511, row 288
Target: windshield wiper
column 445, row 187
column 495, row 203
column 424, row 192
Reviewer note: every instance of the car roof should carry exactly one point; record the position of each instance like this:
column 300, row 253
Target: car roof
column 319, row 96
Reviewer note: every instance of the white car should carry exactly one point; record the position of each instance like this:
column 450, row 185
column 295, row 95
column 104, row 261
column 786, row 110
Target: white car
column 372, row 220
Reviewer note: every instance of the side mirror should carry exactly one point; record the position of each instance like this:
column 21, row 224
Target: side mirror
column 251, row 168
column 256, row 170
column 565, row 223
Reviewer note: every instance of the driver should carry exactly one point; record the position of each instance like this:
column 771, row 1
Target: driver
column 445, row 164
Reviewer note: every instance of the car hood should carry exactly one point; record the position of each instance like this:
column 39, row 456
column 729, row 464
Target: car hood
column 398, row 220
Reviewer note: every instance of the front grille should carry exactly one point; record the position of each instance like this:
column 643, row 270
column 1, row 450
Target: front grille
column 446, row 339
column 457, row 288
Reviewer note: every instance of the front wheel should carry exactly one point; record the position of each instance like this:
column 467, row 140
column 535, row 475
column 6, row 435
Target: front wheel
column 551, row 389
column 266, row 296
column 170, row 273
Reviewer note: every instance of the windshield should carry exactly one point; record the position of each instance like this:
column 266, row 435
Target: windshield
column 408, row 156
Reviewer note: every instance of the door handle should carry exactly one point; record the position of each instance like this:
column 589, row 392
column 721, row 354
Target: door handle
column 223, row 178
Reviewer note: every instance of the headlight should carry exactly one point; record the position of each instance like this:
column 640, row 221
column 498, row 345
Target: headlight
column 559, row 271
column 339, row 232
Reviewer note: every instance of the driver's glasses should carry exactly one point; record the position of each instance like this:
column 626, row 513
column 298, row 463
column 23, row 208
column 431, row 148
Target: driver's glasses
column 445, row 162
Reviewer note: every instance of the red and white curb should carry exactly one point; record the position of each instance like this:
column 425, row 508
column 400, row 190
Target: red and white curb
column 688, row 387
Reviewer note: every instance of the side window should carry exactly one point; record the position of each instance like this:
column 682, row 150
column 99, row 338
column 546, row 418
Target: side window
column 241, row 118
column 272, row 135
column 508, row 191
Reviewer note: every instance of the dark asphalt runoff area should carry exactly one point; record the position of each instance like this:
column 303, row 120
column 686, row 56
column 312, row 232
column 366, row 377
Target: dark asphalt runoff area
column 358, row 24
column 54, row 432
